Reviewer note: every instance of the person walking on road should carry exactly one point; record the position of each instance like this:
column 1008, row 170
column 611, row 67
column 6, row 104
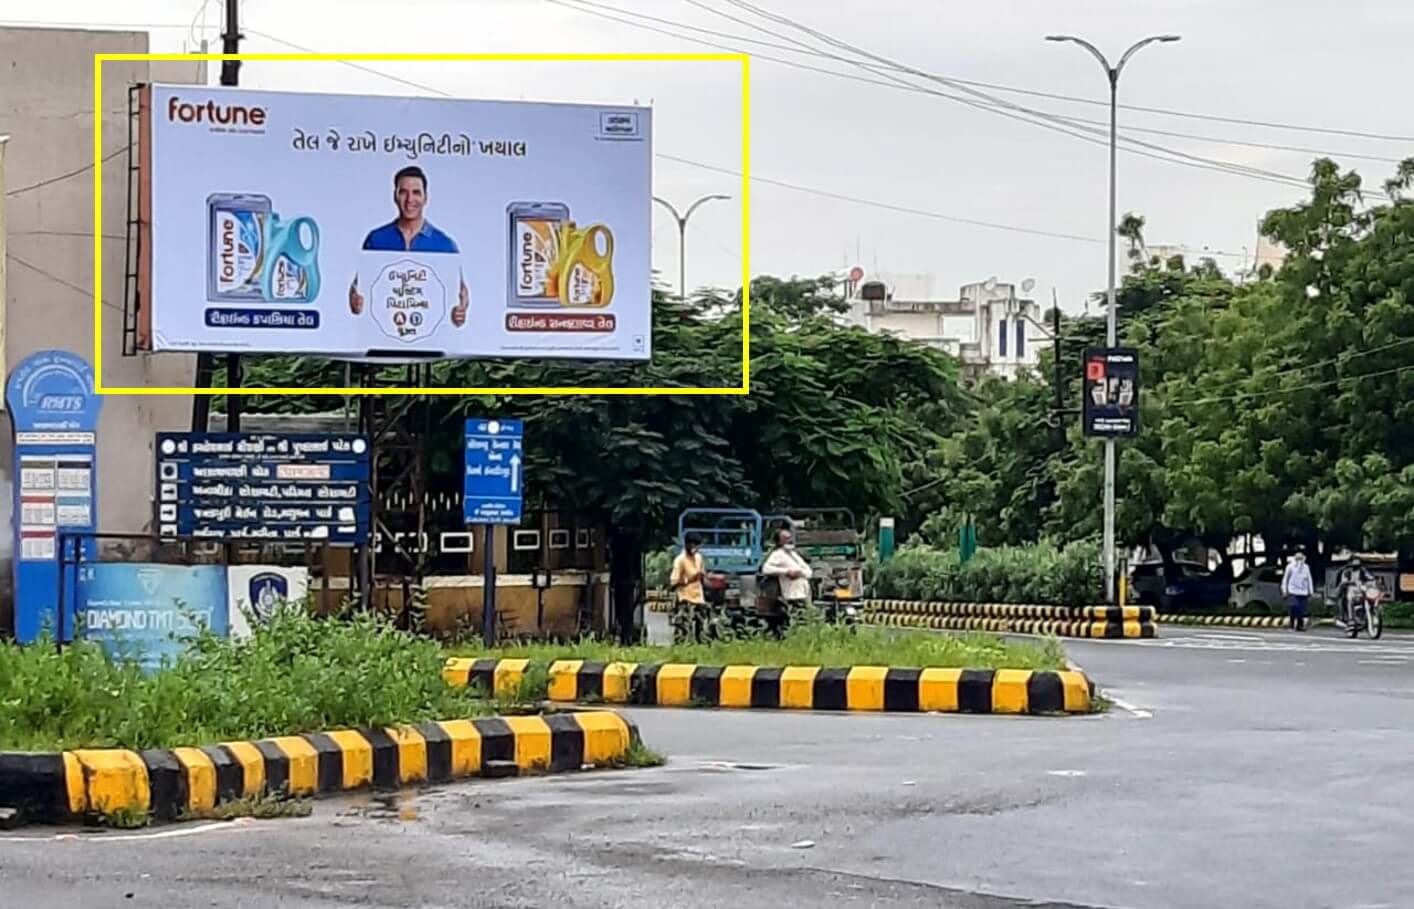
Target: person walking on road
column 789, row 570
column 690, row 619
column 1296, row 586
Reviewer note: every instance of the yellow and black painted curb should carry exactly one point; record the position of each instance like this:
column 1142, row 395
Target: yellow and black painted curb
column 174, row 783
column 1084, row 628
column 861, row 688
column 1235, row 621
column 1016, row 611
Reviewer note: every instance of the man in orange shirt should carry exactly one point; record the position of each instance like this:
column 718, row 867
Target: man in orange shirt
column 690, row 616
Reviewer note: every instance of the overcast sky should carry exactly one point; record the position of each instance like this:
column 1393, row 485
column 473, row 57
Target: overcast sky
column 1310, row 63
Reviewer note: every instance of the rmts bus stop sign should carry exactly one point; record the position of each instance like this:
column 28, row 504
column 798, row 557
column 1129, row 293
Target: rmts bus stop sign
column 1111, row 392
column 495, row 482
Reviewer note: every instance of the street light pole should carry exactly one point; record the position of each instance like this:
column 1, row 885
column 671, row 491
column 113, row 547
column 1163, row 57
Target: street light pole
column 1112, row 74
column 682, row 236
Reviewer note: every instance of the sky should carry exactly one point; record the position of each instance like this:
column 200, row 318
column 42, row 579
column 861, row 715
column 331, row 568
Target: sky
column 931, row 167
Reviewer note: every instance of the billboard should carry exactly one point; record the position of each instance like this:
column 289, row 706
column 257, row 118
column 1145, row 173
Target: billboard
column 1111, row 395
column 403, row 228
column 145, row 612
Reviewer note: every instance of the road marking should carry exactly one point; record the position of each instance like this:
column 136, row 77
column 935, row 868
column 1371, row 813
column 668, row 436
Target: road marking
column 1065, row 772
column 237, row 824
column 1139, row 712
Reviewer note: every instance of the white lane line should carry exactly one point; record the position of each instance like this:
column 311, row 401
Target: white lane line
column 236, row 824
column 1138, row 712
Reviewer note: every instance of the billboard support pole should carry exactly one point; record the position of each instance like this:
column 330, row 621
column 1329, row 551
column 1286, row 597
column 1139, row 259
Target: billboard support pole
column 206, row 362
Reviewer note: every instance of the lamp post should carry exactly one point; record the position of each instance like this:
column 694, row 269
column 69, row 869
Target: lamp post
column 1112, row 73
column 682, row 235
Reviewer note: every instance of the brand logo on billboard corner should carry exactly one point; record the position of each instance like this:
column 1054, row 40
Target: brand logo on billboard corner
column 617, row 124
column 220, row 117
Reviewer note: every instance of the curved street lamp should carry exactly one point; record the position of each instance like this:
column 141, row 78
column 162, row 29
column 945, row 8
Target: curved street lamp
column 1112, row 73
column 682, row 235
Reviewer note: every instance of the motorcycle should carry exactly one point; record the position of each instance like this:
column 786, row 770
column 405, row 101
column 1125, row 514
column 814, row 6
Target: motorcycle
column 1364, row 610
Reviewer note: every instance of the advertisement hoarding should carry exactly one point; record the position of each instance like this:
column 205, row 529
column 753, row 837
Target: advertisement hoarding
column 145, row 612
column 256, row 591
column 406, row 228
column 1111, row 392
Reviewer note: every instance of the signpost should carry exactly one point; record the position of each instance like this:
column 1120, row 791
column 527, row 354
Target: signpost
column 55, row 415
column 272, row 487
column 1111, row 396
column 493, row 493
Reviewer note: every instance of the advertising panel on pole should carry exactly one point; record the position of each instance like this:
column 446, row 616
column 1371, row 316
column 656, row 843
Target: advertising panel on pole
column 145, row 612
column 494, row 490
column 277, row 487
column 1111, row 393
column 55, row 416
column 256, row 591
column 406, row 228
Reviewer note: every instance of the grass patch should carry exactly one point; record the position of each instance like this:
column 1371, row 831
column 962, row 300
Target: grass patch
column 263, row 808
column 129, row 817
column 638, row 755
column 297, row 674
column 813, row 644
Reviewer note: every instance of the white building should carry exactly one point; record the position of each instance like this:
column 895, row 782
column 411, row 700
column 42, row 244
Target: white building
column 988, row 325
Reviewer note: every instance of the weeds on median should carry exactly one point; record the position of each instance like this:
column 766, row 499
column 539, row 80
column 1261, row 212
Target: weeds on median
column 261, row 808
column 811, row 644
column 297, row 674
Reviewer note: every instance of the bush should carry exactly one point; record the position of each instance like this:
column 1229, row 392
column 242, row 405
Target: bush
column 1069, row 576
column 296, row 674
column 657, row 566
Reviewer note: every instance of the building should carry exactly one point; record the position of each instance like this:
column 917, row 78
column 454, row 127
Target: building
column 46, row 109
column 989, row 327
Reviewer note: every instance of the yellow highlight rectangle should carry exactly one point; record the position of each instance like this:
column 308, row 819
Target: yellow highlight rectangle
column 252, row 767
column 304, row 764
column 532, row 742
column 734, row 690
column 606, row 736
column 201, row 778
column 798, row 687
column 937, row 690
column 114, row 779
column 1009, row 694
column 564, row 680
column 864, row 688
column 98, row 109
column 412, row 754
column 617, row 678
column 466, row 747
column 675, row 684
column 358, row 758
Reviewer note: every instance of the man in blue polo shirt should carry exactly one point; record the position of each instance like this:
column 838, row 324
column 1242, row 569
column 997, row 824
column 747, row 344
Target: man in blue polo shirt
column 410, row 231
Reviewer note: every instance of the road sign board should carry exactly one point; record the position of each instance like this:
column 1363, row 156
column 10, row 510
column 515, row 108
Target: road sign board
column 263, row 486
column 495, row 484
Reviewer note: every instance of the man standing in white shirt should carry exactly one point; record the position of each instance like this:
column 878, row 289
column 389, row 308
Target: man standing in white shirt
column 789, row 570
column 1296, row 586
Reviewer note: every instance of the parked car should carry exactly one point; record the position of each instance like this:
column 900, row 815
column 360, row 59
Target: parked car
column 1258, row 590
column 1191, row 587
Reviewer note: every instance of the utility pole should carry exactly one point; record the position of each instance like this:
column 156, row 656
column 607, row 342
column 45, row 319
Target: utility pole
column 682, row 236
column 1112, row 74
column 205, row 362
column 1059, row 377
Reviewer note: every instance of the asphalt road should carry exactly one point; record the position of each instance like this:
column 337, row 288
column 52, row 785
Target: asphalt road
column 1251, row 769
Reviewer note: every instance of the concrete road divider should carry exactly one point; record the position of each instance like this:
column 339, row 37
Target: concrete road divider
column 1235, row 621
column 1070, row 629
column 861, row 688
column 1015, row 611
column 176, row 783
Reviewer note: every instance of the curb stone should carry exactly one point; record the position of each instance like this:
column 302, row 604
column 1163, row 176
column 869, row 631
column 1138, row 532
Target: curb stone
column 169, row 784
column 851, row 688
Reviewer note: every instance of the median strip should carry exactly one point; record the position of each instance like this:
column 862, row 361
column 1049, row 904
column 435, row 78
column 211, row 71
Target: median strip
column 851, row 688
column 178, row 783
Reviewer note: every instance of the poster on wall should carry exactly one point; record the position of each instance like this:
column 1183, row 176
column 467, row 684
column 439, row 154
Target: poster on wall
column 145, row 612
column 376, row 226
column 256, row 591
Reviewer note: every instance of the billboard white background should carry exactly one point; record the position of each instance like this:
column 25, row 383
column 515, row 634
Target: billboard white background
column 332, row 159
column 239, row 592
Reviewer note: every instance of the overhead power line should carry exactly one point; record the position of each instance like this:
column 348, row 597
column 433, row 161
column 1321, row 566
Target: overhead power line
column 1309, row 386
column 57, row 178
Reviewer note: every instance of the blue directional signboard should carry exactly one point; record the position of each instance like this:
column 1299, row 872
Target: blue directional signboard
column 495, row 488
column 241, row 486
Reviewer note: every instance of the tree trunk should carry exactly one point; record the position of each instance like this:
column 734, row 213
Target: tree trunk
column 625, row 581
